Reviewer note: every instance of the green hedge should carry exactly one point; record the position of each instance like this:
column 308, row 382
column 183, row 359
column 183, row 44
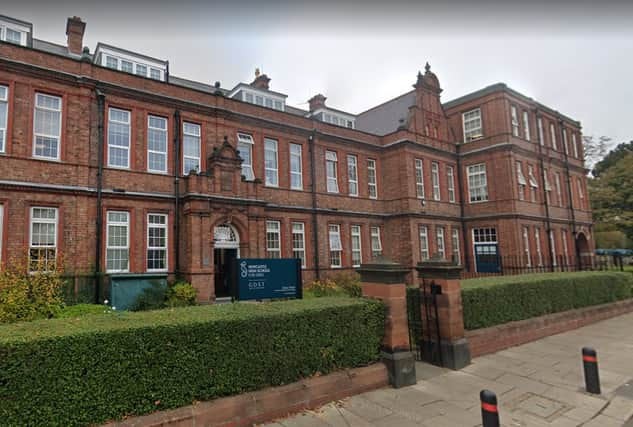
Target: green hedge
column 497, row 300
column 81, row 371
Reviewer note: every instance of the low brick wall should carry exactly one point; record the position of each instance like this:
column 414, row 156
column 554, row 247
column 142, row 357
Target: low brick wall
column 268, row 404
column 496, row 338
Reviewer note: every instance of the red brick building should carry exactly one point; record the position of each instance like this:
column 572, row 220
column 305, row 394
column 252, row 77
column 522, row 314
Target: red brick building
column 108, row 163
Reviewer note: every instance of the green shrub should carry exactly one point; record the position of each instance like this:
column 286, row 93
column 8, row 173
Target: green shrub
column 80, row 310
column 181, row 294
column 349, row 282
column 322, row 288
column 75, row 372
column 27, row 296
column 493, row 301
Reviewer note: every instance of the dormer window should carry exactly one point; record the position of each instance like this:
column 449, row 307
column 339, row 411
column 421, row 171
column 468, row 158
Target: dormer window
column 13, row 32
column 128, row 62
column 263, row 100
column 257, row 96
column 338, row 119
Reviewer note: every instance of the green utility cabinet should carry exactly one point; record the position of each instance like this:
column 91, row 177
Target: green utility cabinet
column 125, row 289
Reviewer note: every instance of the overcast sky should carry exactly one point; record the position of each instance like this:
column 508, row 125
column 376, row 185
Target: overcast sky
column 574, row 56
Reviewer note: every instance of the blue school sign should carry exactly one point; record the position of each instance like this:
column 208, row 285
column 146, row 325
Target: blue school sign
column 264, row 278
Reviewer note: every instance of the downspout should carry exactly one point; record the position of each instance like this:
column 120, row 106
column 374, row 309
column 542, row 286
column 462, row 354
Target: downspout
column 548, row 222
column 177, row 192
column 569, row 194
column 99, row 222
column 462, row 197
column 315, row 237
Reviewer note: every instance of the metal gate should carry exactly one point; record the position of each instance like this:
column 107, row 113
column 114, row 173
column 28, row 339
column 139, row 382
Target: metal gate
column 424, row 324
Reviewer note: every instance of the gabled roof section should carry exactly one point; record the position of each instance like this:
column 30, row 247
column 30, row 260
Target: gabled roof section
column 385, row 118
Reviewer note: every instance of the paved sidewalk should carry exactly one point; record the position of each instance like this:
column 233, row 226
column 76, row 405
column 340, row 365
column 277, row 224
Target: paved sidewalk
column 537, row 384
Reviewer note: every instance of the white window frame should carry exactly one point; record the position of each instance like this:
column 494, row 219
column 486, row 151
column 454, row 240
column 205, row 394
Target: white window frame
column 526, row 125
column 58, row 137
column 372, row 183
column 521, row 180
column 39, row 247
column 477, row 193
column 376, row 241
column 159, row 226
column 440, row 242
column 129, row 137
column 559, row 191
column 152, row 73
column 457, row 257
column 450, row 177
column 423, row 232
column 357, row 250
column 541, row 135
column 574, row 143
column 526, row 246
column 435, row 180
column 332, row 180
column 246, row 141
column 552, row 242
column 352, row 175
column 125, row 223
column 297, row 174
column 515, row 120
column 533, row 183
column 419, row 178
column 23, row 31
column 548, row 187
column 475, row 132
column 191, row 132
column 552, row 131
column 271, row 173
column 273, row 228
column 565, row 144
column 539, row 252
column 162, row 131
column 299, row 244
column 336, row 246
column 581, row 195
column 4, row 100
column 563, row 233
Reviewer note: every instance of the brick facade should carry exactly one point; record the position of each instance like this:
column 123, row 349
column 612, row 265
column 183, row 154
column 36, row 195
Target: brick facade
column 78, row 187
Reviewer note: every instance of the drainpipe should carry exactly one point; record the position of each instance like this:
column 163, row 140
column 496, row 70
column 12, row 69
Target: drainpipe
column 569, row 193
column 548, row 222
column 99, row 222
column 462, row 197
column 315, row 237
column 177, row 192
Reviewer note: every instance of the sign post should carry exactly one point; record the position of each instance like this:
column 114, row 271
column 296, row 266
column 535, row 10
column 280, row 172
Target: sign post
column 263, row 278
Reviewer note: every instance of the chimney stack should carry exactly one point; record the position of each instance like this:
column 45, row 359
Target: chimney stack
column 316, row 102
column 261, row 80
column 75, row 28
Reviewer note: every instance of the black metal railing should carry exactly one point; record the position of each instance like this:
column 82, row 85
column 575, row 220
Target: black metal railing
column 514, row 265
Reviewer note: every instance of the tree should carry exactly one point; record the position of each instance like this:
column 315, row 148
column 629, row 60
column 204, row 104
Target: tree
column 595, row 149
column 612, row 157
column 611, row 191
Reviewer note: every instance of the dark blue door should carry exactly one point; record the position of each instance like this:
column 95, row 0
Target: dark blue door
column 487, row 257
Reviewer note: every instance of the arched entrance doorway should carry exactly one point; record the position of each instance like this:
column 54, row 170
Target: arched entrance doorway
column 585, row 256
column 226, row 248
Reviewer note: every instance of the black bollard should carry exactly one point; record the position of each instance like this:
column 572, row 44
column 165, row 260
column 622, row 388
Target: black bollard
column 489, row 412
column 590, row 365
